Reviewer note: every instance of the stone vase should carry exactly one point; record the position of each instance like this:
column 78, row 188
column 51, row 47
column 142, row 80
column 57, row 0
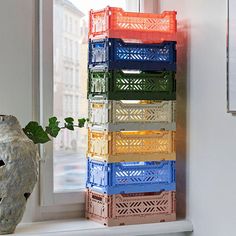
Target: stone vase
column 18, row 172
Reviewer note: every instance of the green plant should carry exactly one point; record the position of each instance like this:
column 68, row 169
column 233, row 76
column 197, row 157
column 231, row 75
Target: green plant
column 37, row 134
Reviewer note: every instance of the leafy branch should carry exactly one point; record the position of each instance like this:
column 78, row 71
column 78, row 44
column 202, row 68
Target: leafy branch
column 37, row 134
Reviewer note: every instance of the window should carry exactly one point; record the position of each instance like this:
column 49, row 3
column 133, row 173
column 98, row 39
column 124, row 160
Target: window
column 76, row 27
column 70, row 25
column 63, row 170
column 76, row 56
column 70, row 48
column 65, row 75
column 76, row 78
column 76, row 108
column 65, row 46
column 65, row 23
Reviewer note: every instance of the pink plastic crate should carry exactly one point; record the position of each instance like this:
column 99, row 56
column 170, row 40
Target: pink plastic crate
column 113, row 22
column 134, row 208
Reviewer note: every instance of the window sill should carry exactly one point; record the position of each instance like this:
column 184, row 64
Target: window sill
column 84, row 227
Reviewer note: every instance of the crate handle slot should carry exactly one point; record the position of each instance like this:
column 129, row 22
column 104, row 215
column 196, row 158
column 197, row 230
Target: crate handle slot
column 97, row 198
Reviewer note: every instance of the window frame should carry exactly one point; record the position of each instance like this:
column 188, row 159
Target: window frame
column 47, row 195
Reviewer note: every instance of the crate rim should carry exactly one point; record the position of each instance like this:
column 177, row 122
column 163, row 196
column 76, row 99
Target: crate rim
column 110, row 7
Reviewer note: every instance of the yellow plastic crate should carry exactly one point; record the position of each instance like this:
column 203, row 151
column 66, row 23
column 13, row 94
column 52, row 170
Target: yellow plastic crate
column 128, row 146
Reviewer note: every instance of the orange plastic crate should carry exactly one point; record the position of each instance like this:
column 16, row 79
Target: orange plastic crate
column 113, row 22
column 134, row 208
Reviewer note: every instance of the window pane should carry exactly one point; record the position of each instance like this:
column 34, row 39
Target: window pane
column 70, row 87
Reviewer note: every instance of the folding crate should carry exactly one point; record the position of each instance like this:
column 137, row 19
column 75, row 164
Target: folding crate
column 131, row 177
column 115, row 54
column 128, row 146
column 127, row 209
column 130, row 85
column 131, row 115
column 113, row 22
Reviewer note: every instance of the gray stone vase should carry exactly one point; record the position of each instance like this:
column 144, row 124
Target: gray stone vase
column 18, row 172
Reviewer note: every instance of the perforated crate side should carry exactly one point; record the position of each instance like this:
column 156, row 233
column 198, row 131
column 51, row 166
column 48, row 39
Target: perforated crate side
column 131, row 177
column 99, row 112
column 145, row 27
column 156, row 145
column 98, row 82
column 131, row 115
column 144, row 111
column 104, row 144
column 126, row 209
column 98, row 143
column 119, row 85
column 141, row 142
column 115, row 54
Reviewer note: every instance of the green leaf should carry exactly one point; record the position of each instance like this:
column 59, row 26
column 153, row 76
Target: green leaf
column 36, row 133
column 53, row 120
column 69, row 120
column 69, row 123
column 82, row 122
column 53, row 127
column 69, row 126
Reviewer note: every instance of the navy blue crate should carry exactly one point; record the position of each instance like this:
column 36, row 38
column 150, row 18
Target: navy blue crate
column 131, row 177
column 114, row 54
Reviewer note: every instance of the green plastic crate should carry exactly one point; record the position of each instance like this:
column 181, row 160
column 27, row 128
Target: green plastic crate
column 119, row 85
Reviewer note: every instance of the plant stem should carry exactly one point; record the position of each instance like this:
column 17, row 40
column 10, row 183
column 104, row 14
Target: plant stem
column 64, row 127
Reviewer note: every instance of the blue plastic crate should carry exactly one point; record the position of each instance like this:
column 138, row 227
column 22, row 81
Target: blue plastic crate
column 131, row 177
column 114, row 54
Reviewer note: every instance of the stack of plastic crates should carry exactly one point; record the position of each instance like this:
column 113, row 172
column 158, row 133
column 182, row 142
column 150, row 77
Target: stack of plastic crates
column 131, row 137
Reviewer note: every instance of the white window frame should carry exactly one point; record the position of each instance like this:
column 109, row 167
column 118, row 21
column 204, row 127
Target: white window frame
column 47, row 196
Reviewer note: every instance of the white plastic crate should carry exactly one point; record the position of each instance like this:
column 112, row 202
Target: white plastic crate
column 132, row 115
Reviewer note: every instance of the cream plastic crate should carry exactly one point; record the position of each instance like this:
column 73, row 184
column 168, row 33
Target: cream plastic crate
column 132, row 115
column 129, row 146
column 126, row 209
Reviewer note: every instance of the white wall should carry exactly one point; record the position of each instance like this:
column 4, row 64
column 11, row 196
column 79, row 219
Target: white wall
column 16, row 59
column 211, row 136
column 16, row 65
